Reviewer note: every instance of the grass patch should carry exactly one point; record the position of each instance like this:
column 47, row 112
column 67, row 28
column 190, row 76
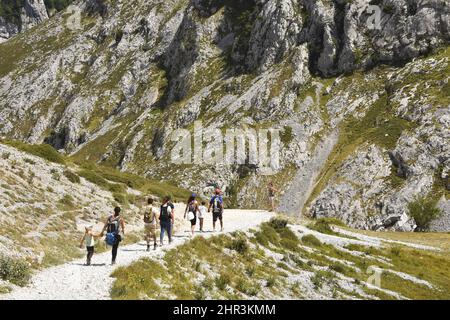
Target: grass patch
column 16, row 271
column 311, row 240
column 424, row 211
column 116, row 181
column 72, row 177
column 5, row 289
column 44, row 151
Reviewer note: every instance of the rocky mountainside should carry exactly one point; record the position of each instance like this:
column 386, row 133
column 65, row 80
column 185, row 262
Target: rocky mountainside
column 358, row 89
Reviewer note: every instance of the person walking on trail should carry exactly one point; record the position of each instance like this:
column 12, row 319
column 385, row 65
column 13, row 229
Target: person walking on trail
column 89, row 240
column 150, row 217
column 202, row 210
column 115, row 229
column 271, row 192
column 217, row 209
column 166, row 219
column 191, row 212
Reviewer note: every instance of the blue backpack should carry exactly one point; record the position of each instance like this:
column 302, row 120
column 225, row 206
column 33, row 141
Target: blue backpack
column 110, row 239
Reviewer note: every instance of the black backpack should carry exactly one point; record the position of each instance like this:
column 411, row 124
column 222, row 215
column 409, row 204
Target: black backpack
column 165, row 216
column 216, row 205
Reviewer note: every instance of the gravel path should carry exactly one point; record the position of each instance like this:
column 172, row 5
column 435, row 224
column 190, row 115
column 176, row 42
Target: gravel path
column 73, row 281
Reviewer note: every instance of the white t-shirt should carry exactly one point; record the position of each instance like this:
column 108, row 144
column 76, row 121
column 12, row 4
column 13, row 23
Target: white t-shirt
column 203, row 211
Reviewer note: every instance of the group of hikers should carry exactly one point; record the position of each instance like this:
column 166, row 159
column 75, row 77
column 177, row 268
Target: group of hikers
column 114, row 226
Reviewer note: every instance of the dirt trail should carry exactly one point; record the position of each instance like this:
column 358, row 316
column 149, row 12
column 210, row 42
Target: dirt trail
column 74, row 281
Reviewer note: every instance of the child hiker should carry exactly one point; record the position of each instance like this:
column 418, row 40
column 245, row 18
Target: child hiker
column 89, row 239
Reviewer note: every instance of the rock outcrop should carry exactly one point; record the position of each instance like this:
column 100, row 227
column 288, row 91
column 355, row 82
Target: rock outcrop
column 7, row 29
column 31, row 14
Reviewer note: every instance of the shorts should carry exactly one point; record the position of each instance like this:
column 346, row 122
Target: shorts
column 217, row 216
column 150, row 229
column 194, row 221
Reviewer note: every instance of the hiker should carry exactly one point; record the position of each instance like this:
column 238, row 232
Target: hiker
column 166, row 219
column 150, row 223
column 113, row 227
column 191, row 212
column 271, row 191
column 217, row 209
column 202, row 210
column 89, row 240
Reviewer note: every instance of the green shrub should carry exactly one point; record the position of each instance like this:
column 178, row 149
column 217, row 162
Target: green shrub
column 72, row 177
column 338, row 267
column 247, row 287
column 289, row 244
column 15, row 271
column 396, row 251
column 424, row 211
column 271, row 282
column 222, row 281
column 30, row 161
column 311, row 240
column 5, row 289
column 278, row 224
column 94, row 178
column 120, row 198
column 116, row 188
column 322, row 226
column 250, row 270
column 67, row 200
column 239, row 245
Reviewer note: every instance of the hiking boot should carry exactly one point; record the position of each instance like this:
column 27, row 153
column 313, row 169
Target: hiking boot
column 148, row 248
column 154, row 246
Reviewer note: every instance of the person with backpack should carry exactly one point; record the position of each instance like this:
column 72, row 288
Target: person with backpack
column 114, row 226
column 89, row 240
column 166, row 219
column 217, row 209
column 150, row 223
column 191, row 212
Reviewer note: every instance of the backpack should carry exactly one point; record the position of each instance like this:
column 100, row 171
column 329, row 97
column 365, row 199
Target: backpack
column 165, row 215
column 148, row 216
column 110, row 239
column 216, row 205
column 112, row 231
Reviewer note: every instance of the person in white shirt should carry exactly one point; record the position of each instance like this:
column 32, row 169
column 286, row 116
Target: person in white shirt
column 202, row 214
column 150, row 217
